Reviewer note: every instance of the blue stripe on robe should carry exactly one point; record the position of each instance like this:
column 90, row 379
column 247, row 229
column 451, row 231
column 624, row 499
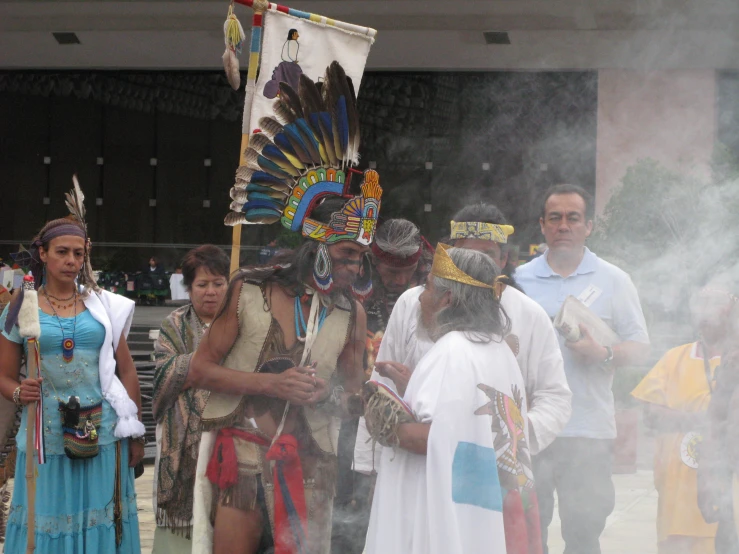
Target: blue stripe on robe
column 475, row 477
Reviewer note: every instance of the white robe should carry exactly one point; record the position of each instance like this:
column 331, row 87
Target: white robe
column 451, row 500
column 539, row 358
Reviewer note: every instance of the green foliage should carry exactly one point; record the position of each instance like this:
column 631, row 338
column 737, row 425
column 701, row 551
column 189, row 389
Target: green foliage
column 647, row 214
column 671, row 230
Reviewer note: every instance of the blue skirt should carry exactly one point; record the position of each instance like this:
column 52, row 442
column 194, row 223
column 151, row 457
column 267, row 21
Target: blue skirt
column 74, row 506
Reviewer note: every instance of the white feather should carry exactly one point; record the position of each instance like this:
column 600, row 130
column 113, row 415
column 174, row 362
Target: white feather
column 231, row 66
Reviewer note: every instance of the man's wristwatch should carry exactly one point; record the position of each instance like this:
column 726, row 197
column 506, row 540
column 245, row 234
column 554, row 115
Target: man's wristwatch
column 609, row 356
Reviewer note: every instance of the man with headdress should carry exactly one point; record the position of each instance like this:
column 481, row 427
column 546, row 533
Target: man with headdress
column 283, row 358
column 460, row 462
column 400, row 260
column 481, row 227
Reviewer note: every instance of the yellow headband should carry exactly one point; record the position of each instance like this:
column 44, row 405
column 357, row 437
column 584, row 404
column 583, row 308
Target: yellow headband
column 444, row 267
column 482, row 231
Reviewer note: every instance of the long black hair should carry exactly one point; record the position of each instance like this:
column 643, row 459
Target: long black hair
column 289, row 269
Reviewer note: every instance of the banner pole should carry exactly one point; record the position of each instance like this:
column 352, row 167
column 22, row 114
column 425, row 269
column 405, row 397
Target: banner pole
column 251, row 83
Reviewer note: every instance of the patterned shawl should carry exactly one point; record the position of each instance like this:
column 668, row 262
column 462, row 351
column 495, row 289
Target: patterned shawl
column 179, row 414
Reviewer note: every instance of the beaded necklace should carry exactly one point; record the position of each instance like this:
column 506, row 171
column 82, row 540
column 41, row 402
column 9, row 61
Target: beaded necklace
column 67, row 343
column 301, row 328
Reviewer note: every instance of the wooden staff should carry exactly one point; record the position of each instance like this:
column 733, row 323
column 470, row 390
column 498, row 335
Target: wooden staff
column 30, row 329
column 32, row 364
column 259, row 6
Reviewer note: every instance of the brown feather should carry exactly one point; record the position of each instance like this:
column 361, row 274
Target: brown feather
column 258, row 141
column 234, row 218
column 250, row 157
column 342, row 87
column 354, row 130
column 75, row 201
column 238, row 194
column 244, row 173
column 291, row 100
column 283, row 112
column 270, row 126
column 331, row 92
column 310, row 97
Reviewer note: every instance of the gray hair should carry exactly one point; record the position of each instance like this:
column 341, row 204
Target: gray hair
column 476, row 311
column 398, row 237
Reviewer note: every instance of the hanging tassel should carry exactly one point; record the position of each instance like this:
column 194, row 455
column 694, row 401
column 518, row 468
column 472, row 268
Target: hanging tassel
column 233, row 31
column 233, row 35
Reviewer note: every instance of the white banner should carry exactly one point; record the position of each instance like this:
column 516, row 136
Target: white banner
column 307, row 44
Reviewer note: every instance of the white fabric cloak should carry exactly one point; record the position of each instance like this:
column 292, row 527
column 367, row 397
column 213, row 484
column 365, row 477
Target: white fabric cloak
column 115, row 313
column 538, row 356
column 451, row 500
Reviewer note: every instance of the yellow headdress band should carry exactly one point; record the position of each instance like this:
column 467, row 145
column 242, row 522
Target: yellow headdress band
column 482, row 231
column 444, row 267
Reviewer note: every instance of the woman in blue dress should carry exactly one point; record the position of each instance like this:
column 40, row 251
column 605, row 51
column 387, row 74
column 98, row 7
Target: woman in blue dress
column 85, row 497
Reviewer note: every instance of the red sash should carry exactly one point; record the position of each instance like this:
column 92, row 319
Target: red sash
column 291, row 529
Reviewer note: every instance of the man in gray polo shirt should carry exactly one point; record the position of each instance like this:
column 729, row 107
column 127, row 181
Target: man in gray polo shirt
column 578, row 463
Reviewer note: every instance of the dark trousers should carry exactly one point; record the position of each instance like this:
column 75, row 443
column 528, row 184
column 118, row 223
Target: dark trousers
column 580, row 471
column 353, row 499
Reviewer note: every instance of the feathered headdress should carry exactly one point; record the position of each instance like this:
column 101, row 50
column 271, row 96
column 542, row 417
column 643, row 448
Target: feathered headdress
column 303, row 155
column 75, row 201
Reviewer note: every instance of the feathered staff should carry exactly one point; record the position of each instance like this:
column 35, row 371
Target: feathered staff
column 259, row 6
column 30, row 329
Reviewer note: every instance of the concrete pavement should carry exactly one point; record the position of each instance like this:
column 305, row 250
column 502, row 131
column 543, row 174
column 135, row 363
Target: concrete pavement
column 630, row 529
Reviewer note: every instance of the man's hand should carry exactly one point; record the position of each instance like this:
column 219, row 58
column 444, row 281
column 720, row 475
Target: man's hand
column 321, row 392
column 297, row 385
column 397, row 373
column 586, row 349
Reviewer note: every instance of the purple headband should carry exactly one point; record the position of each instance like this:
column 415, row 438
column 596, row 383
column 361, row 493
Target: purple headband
column 64, row 230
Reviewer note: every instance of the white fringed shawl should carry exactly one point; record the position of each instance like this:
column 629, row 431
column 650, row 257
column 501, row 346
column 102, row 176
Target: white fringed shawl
column 115, row 313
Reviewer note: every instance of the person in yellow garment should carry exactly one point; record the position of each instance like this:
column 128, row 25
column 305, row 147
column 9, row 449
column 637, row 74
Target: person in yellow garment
column 677, row 392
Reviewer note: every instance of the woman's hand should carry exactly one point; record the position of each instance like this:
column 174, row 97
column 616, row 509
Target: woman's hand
column 135, row 452
column 30, row 391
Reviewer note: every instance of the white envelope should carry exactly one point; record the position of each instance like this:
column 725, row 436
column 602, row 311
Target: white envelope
column 573, row 313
